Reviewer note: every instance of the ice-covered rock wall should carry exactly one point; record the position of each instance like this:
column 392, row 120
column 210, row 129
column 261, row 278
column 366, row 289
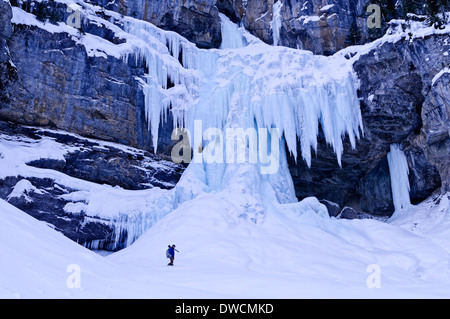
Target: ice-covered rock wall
column 276, row 22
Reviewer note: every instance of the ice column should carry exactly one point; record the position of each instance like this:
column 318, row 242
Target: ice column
column 398, row 168
column 276, row 22
column 168, row 81
column 231, row 36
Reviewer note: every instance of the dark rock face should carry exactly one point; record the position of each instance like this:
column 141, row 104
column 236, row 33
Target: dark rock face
column 403, row 95
column 103, row 163
column 351, row 213
column 424, row 176
column 399, row 105
column 5, row 26
column 434, row 139
column 333, row 208
column 375, row 190
column 108, row 165
column 348, row 213
column 322, row 27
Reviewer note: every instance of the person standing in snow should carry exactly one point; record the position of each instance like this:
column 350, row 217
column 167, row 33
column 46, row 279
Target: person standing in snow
column 171, row 254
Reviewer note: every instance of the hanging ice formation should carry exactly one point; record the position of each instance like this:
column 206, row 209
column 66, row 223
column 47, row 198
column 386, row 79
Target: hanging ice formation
column 276, row 22
column 172, row 77
column 233, row 36
column 399, row 171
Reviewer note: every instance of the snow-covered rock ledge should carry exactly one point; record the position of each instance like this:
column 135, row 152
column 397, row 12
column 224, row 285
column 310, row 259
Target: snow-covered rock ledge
column 99, row 194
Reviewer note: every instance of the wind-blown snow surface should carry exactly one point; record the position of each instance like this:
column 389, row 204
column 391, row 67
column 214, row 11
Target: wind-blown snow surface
column 298, row 252
column 293, row 250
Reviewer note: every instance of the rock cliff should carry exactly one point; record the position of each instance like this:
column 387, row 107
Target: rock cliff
column 400, row 103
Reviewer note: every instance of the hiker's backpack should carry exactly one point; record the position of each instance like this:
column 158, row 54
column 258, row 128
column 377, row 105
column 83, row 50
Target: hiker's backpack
column 168, row 255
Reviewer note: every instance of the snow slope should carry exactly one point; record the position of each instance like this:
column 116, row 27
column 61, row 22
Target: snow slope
column 37, row 262
column 298, row 252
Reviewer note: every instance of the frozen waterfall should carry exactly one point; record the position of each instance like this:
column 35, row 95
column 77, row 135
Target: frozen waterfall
column 241, row 105
column 399, row 171
column 231, row 35
column 270, row 87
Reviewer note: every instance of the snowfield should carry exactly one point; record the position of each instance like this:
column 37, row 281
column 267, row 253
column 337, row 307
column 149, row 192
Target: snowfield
column 300, row 255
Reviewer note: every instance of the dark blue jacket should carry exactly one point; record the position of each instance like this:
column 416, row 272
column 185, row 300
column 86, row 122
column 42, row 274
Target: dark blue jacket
column 172, row 251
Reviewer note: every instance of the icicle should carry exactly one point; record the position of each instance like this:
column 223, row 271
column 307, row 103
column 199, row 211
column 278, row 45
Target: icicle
column 210, row 81
column 161, row 51
column 174, row 44
column 276, row 22
column 231, row 37
column 398, row 168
